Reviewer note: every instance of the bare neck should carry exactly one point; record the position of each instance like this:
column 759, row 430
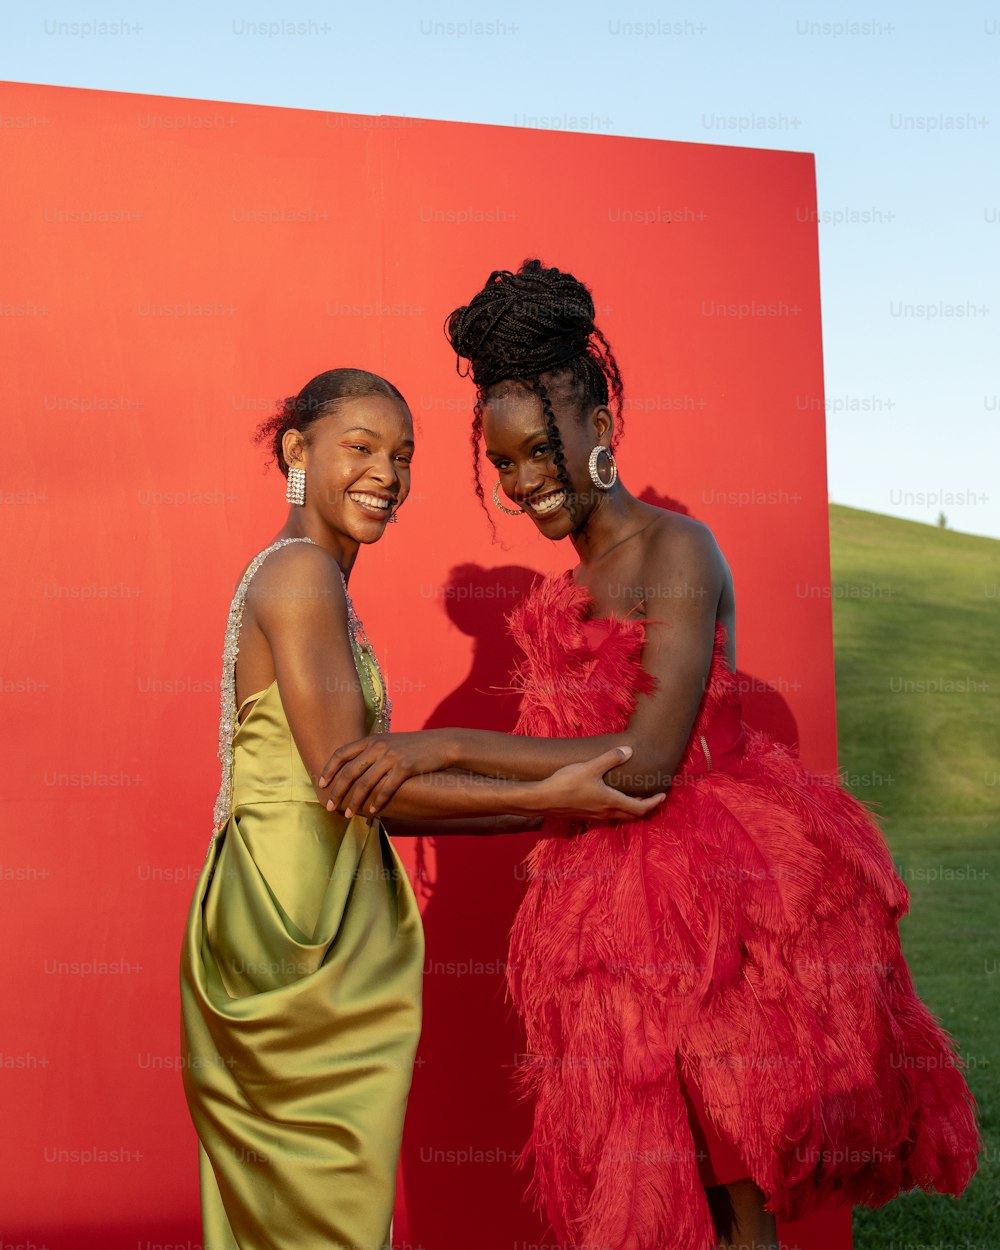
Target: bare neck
column 614, row 517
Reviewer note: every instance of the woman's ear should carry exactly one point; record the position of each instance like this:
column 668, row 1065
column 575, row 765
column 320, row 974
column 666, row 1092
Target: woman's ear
column 603, row 423
column 293, row 447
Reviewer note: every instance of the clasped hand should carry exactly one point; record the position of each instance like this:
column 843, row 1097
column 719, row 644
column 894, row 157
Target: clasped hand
column 364, row 775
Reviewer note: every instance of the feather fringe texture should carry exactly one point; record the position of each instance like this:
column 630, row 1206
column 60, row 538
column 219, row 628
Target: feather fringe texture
column 742, row 938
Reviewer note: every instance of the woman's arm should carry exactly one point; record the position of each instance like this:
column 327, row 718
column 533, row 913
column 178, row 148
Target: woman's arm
column 483, row 826
column 297, row 601
column 683, row 576
column 682, row 584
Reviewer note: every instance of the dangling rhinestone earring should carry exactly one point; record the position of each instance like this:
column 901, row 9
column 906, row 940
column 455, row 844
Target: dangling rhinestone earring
column 503, row 507
column 393, row 518
column 295, row 491
column 595, row 477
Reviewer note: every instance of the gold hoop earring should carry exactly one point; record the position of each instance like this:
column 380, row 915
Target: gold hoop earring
column 503, row 507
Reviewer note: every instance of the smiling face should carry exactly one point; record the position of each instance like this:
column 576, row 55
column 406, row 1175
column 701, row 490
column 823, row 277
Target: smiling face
column 357, row 462
column 519, row 446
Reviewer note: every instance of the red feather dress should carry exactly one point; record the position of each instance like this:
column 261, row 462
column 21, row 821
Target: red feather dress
column 716, row 991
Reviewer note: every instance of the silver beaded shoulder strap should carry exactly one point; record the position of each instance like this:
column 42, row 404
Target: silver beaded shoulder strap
column 227, row 695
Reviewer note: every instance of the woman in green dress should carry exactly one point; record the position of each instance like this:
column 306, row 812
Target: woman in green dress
column 302, row 958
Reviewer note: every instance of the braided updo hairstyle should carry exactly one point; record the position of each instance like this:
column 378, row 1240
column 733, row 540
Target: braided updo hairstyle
column 317, row 398
column 524, row 324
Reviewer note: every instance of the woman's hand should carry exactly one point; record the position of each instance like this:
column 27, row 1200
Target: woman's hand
column 580, row 790
column 364, row 775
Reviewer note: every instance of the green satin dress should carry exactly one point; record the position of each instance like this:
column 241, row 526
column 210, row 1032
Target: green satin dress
column 301, row 999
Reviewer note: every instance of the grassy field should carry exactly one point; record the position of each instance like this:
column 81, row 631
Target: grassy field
column 916, row 613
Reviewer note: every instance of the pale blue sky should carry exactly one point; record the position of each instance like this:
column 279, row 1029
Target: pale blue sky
column 903, row 114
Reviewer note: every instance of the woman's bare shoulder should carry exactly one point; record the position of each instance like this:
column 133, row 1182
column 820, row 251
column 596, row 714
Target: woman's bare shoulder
column 678, row 543
column 294, row 576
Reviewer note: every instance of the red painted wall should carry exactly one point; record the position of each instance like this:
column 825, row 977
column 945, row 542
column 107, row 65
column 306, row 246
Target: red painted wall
column 172, row 267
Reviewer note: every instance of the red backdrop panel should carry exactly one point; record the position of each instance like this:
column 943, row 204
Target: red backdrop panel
column 172, row 268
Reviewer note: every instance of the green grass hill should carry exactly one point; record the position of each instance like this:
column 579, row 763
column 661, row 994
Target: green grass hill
column 916, row 613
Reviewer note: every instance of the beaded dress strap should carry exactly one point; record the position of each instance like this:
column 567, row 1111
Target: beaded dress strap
column 227, row 696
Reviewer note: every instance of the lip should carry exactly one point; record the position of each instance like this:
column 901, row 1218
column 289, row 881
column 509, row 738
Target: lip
column 529, row 503
column 381, row 514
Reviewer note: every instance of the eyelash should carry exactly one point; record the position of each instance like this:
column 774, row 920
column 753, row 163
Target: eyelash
column 503, row 465
column 362, row 447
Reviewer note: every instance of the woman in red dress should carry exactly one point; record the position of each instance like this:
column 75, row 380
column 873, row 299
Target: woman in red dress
column 720, row 1022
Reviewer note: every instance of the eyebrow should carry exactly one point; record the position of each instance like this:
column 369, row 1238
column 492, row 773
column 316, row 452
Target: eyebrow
column 363, row 429
column 524, row 442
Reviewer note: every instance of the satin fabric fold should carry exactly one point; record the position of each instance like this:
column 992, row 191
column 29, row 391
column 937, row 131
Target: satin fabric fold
column 301, row 1003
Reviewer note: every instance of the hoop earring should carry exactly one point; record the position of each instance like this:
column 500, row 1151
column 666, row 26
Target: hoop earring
column 503, row 507
column 595, row 477
column 295, row 491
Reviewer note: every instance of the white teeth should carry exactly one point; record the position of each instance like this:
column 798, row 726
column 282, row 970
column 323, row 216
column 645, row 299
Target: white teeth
column 549, row 503
column 372, row 501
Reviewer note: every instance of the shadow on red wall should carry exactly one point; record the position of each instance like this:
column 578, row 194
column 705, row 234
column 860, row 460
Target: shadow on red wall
column 465, row 1128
